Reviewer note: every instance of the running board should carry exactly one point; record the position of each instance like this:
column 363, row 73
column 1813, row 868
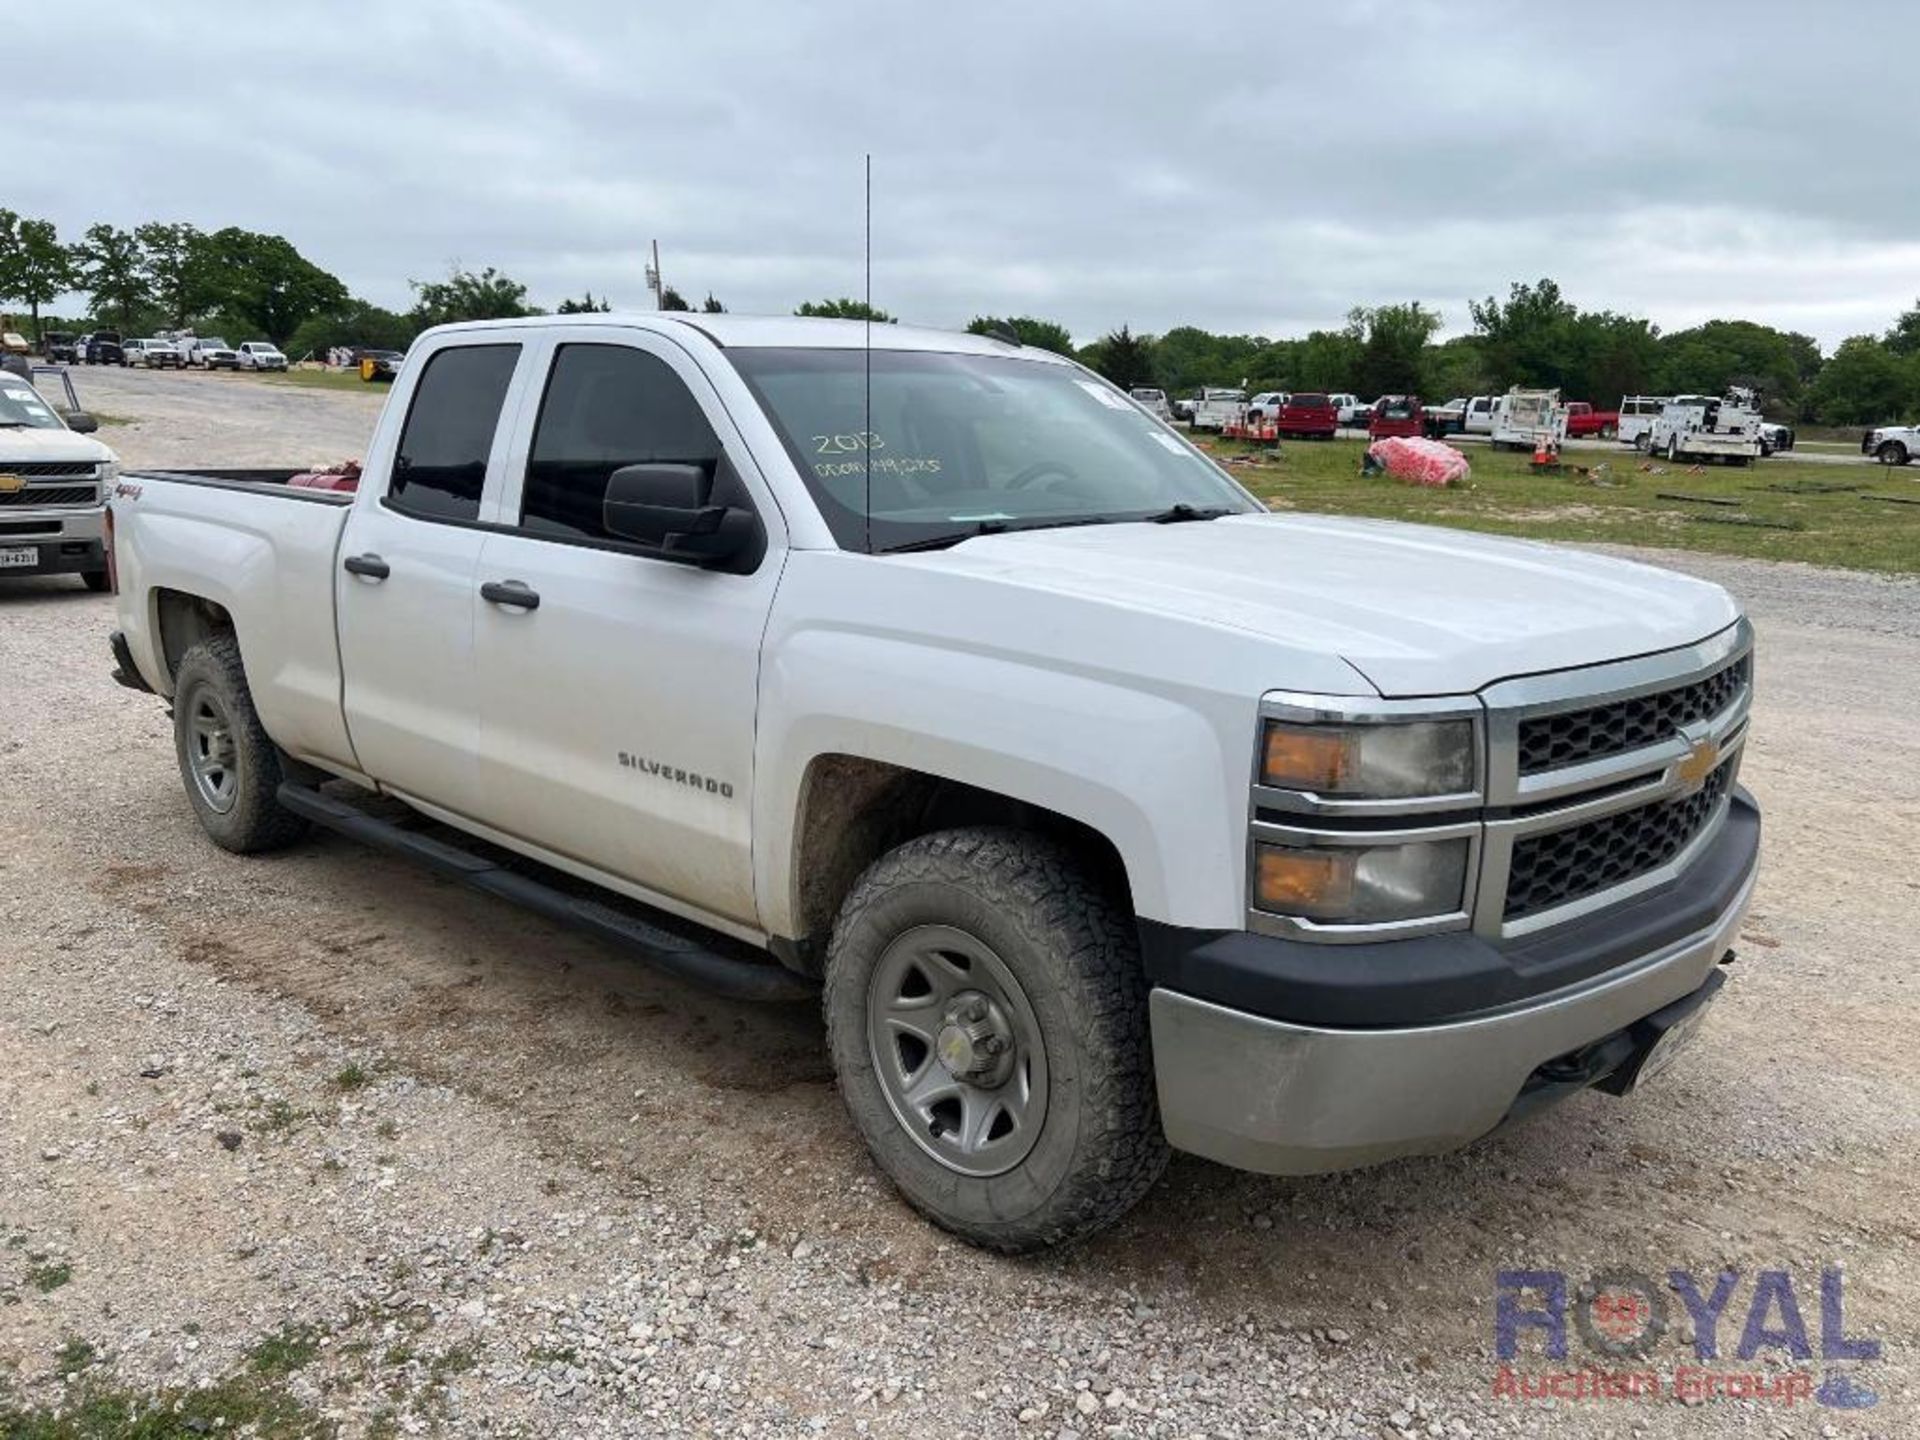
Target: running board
column 676, row 954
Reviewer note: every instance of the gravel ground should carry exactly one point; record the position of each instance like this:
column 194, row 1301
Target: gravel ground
column 326, row 1129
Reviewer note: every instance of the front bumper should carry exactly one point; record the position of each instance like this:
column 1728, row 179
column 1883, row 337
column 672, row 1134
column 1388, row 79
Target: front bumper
column 1291, row 1097
column 68, row 542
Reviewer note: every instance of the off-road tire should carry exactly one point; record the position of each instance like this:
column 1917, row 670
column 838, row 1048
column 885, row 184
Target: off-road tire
column 1070, row 942
column 255, row 821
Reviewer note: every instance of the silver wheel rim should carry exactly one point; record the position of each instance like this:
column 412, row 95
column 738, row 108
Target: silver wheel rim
column 957, row 1050
column 212, row 757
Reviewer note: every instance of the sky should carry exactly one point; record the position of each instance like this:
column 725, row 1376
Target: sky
column 1248, row 168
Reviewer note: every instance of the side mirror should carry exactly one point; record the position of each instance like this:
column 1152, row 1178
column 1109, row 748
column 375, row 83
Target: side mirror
column 80, row 422
column 670, row 508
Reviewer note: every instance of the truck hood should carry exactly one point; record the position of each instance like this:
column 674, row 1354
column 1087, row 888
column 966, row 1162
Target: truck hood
column 1415, row 609
column 21, row 447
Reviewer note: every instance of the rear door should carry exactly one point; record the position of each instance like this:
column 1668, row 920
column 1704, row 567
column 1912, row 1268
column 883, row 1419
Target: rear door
column 406, row 592
column 617, row 709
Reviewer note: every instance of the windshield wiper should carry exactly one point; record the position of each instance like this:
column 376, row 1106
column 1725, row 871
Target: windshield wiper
column 987, row 527
column 1174, row 514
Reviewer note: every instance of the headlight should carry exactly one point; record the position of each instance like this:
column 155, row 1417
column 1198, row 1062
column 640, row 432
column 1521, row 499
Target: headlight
column 1371, row 761
column 1362, row 885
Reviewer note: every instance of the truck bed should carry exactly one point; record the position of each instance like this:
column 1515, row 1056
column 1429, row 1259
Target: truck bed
column 257, row 480
column 265, row 553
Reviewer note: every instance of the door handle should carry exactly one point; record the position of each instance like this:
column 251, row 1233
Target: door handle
column 516, row 593
column 371, row 566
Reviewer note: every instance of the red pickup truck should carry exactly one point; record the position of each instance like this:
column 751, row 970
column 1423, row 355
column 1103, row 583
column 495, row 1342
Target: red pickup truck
column 1307, row 414
column 1396, row 415
column 1583, row 421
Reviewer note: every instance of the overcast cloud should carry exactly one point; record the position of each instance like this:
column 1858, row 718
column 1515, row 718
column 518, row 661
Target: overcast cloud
column 1243, row 167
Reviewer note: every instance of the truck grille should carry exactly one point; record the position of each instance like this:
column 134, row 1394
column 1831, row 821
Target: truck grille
column 49, row 469
column 51, row 495
column 1551, row 742
column 1565, row 865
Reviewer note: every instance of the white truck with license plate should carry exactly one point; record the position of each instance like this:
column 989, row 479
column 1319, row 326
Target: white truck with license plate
column 52, row 480
column 1103, row 811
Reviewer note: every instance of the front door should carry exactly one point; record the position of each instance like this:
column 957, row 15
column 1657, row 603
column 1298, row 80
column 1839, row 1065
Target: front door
column 406, row 587
column 618, row 689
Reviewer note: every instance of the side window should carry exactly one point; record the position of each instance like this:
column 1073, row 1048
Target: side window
column 441, row 465
column 606, row 406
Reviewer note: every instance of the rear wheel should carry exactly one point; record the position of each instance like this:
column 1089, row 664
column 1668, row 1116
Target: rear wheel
column 230, row 767
column 1643, row 442
column 1673, row 449
column 986, row 1012
column 97, row 580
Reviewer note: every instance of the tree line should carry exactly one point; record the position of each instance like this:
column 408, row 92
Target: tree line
column 244, row 284
column 1536, row 337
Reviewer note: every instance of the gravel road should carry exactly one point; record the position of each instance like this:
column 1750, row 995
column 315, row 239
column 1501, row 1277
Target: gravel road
column 330, row 1135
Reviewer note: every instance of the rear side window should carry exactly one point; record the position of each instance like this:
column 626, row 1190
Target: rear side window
column 441, row 466
column 606, row 406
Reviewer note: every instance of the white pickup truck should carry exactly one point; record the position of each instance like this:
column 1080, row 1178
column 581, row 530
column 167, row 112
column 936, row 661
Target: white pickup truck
column 1103, row 810
column 52, row 479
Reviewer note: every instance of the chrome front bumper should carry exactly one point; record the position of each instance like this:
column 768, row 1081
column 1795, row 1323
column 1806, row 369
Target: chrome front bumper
column 1286, row 1099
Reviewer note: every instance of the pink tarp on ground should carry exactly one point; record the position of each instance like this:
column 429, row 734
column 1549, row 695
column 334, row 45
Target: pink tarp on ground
column 1423, row 462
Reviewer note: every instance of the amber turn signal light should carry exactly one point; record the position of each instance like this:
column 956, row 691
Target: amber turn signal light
column 1305, row 882
column 1302, row 758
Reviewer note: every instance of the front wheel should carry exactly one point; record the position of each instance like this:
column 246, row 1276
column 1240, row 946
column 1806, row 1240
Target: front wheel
column 229, row 765
column 1892, row 453
column 987, row 1016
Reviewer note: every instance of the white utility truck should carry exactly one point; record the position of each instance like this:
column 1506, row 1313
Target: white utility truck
column 1102, row 811
column 1524, row 419
column 1706, row 427
column 1637, row 414
column 1217, row 408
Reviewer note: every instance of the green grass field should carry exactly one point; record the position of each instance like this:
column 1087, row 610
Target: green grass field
column 326, row 380
column 1778, row 509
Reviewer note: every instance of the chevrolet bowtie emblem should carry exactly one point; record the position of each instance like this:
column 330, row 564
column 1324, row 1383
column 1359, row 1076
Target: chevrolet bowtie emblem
column 1697, row 764
column 9, row 484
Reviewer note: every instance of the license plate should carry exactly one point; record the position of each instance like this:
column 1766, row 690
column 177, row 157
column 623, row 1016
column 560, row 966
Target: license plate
column 19, row 557
column 1670, row 1046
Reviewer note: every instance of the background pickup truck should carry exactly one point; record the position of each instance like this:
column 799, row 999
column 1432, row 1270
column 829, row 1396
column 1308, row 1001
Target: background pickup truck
column 1310, row 415
column 1103, row 811
column 52, row 480
column 1584, row 422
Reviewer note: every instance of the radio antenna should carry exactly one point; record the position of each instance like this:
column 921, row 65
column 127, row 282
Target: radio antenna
column 866, row 435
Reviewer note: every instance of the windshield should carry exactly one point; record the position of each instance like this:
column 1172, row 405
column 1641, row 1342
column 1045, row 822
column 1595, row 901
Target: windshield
column 21, row 406
column 213, row 342
column 960, row 444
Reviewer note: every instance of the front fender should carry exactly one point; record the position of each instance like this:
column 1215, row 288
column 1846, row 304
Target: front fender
column 1142, row 769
